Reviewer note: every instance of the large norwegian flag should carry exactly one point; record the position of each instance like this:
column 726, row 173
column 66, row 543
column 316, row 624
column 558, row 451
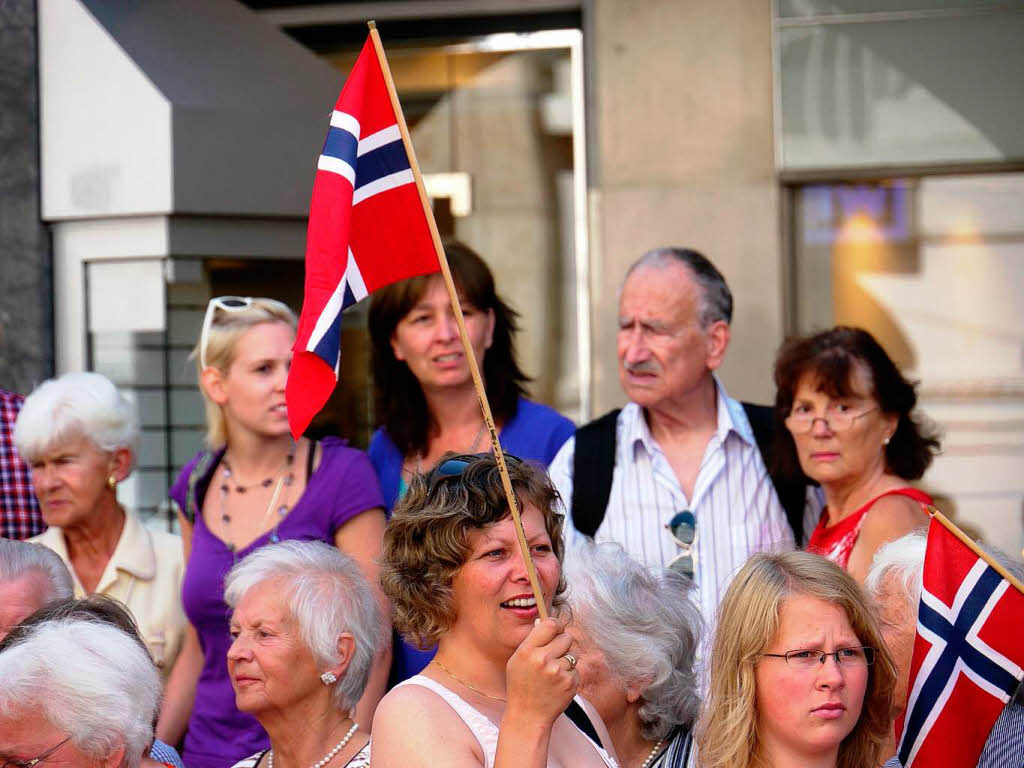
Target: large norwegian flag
column 968, row 655
column 367, row 229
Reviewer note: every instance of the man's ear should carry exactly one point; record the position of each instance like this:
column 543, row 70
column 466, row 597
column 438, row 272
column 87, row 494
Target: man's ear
column 718, row 341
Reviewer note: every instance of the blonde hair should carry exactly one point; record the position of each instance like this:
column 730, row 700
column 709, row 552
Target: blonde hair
column 748, row 621
column 226, row 328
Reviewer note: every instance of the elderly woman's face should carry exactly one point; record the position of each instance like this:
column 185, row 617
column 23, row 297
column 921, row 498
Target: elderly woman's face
column 270, row 666
column 493, row 599
column 846, row 439
column 70, row 480
column 809, row 711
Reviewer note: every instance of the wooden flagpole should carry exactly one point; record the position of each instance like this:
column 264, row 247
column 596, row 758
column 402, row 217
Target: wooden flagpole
column 474, row 369
column 973, row 546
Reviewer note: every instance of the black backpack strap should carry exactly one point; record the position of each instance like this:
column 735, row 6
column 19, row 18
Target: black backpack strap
column 593, row 464
column 792, row 493
column 581, row 720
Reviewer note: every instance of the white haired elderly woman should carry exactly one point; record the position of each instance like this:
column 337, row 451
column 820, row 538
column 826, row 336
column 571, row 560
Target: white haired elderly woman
column 77, row 693
column 78, row 434
column 305, row 629
column 636, row 633
column 30, row 577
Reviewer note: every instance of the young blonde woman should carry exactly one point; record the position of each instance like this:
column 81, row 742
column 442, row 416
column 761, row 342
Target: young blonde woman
column 800, row 676
column 254, row 486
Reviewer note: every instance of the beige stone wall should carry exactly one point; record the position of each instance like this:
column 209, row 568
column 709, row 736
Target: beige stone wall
column 681, row 111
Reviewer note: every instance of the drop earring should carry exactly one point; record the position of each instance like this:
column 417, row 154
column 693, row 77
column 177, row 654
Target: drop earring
column 112, row 482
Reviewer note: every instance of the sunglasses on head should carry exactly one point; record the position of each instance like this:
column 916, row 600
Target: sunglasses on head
column 227, row 304
column 456, row 465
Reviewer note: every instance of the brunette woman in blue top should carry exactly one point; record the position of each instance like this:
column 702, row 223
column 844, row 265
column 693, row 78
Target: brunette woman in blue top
column 425, row 400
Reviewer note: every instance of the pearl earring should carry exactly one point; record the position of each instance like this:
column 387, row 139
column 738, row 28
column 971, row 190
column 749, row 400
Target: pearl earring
column 886, row 441
column 328, row 678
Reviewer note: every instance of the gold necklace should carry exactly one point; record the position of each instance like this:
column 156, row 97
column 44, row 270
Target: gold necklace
column 457, row 679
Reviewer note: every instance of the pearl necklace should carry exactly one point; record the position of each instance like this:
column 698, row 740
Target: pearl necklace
column 644, row 764
column 326, row 758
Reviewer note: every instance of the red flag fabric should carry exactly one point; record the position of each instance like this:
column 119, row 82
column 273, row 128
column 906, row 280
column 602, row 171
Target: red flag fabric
column 968, row 655
column 367, row 229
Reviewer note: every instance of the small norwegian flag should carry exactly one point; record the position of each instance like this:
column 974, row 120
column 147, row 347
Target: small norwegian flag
column 968, row 655
column 367, row 229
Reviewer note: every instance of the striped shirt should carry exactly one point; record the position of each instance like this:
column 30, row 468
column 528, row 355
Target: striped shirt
column 734, row 502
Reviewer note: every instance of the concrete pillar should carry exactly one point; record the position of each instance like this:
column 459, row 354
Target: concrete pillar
column 26, row 306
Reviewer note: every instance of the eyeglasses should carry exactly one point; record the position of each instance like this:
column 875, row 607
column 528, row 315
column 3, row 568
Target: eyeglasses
column 683, row 528
column 230, row 304
column 837, row 421
column 34, row 760
column 858, row 656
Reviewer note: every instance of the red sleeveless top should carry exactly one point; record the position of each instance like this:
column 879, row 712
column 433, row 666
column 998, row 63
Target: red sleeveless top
column 835, row 542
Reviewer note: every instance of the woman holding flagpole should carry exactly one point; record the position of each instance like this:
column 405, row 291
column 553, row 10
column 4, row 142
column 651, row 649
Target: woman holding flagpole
column 425, row 399
column 495, row 693
column 255, row 485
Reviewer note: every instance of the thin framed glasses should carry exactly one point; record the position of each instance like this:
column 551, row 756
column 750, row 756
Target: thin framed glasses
column 34, row 760
column 857, row 656
column 802, row 422
column 683, row 528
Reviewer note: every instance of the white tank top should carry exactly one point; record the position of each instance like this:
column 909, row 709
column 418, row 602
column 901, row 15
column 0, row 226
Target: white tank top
column 481, row 727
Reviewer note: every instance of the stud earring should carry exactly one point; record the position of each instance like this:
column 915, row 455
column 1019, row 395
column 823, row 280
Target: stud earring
column 112, row 482
column 886, row 441
column 328, row 678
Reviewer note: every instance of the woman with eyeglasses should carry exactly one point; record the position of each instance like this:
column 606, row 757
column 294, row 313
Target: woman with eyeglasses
column 800, row 675
column 77, row 692
column 495, row 693
column 253, row 486
column 850, row 426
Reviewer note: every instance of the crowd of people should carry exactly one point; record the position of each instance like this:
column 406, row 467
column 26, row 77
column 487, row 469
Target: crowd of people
column 726, row 585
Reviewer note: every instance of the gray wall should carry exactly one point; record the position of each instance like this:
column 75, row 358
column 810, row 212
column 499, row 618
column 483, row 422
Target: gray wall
column 26, row 304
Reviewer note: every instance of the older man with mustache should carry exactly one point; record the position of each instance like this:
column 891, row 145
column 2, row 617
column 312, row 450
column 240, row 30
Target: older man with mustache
column 677, row 476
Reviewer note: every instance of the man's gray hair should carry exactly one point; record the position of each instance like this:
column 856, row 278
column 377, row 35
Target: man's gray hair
column 646, row 627
column 716, row 298
column 90, row 680
column 76, row 404
column 22, row 558
column 902, row 560
column 327, row 595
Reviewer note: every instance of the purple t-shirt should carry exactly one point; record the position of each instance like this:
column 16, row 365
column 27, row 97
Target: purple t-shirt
column 341, row 487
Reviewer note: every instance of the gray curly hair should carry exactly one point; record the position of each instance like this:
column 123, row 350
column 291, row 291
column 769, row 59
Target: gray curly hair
column 646, row 627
